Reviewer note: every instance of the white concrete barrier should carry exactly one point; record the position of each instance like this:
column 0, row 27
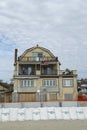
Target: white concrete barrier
column 28, row 114
column 80, row 113
column 85, row 112
column 36, row 114
column 0, row 113
column 58, row 113
column 51, row 113
column 13, row 114
column 5, row 114
column 73, row 114
column 44, row 113
column 65, row 113
column 21, row 114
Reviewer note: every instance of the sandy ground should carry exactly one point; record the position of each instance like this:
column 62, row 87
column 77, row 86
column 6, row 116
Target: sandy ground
column 45, row 125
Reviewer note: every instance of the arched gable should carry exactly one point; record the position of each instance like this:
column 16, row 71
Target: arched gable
column 36, row 49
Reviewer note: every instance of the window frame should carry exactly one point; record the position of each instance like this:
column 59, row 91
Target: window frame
column 49, row 82
column 67, row 82
column 26, row 83
column 37, row 56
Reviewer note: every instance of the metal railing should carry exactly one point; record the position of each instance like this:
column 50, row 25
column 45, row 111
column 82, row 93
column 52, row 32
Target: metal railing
column 26, row 73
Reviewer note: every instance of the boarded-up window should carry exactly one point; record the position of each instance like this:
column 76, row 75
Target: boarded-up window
column 68, row 97
column 53, row 96
column 26, row 97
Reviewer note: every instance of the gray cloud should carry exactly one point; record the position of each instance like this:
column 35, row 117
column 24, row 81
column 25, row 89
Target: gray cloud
column 59, row 25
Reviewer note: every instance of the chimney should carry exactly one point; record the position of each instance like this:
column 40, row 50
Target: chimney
column 15, row 56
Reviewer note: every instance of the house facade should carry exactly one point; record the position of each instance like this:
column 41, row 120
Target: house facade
column 37, row 76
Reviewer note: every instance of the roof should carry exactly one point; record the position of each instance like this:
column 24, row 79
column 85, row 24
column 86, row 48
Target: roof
column 5, row 85
column 35, row 47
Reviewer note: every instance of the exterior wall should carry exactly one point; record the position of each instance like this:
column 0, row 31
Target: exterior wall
column 38, row 86
column 16, row 85
column 70, row 89
column 75, row 93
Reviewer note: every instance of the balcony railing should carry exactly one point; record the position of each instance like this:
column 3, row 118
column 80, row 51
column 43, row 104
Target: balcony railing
column 23, row 72
column 36, row 73
column 67, row 72
column 26, row 73
column 39, row 59
column 52, row 72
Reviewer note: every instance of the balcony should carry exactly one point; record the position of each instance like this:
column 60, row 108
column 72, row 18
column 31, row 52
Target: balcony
column 27, row 74
column 67, row 73
column 38, row 59
column 36, row 70
column 51, row 72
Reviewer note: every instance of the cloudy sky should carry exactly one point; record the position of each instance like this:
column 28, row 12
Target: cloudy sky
column 59, row 25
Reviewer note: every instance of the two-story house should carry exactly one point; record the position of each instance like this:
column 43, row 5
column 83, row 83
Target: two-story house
column 37, row 76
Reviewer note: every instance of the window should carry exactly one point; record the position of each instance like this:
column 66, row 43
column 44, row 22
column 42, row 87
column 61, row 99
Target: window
column 37, row 56
column 27, row 83
column 48, row 70
column 38, row 66
column 27, row 69
column 49, row 82
column 67, row 83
